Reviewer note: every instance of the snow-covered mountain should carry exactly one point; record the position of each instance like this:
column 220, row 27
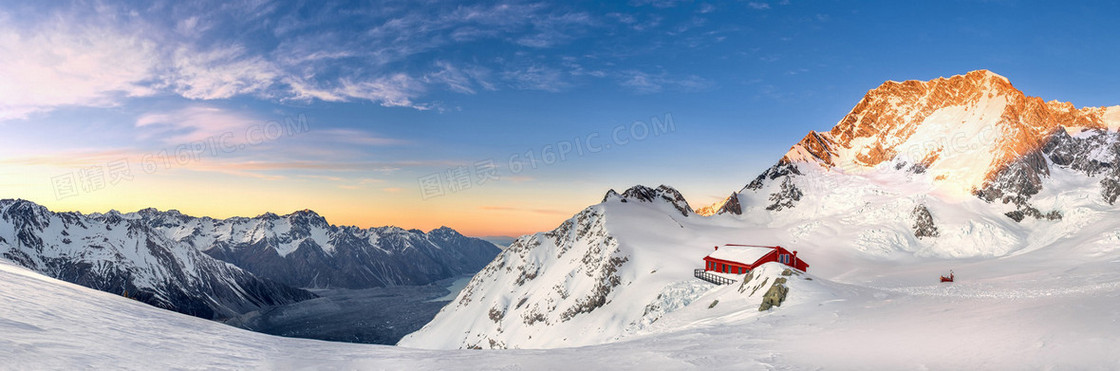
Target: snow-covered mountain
column 301, row 249
column 967, row 135
column 216, row 268
column 607, row 272
column 921, row 176
column 122, row 254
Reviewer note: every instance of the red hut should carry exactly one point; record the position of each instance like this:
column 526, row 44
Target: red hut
column 739, row 259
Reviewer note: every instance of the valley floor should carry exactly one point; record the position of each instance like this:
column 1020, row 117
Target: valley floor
column 989, row 319
column 380, row 315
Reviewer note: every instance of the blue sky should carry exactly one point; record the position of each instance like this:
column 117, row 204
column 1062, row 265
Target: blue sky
column 385, row 95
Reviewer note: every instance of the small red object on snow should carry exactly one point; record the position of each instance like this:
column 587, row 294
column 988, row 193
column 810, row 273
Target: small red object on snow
column 947, row 279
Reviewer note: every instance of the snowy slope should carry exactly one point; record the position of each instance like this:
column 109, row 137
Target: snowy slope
column 1014, row 313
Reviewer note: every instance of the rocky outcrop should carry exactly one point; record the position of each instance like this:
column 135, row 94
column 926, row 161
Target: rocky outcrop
column 1095, row 152
column 640, row 193
column 783, row 169
column 786, row 197
column 775, row 296
column 923, row 223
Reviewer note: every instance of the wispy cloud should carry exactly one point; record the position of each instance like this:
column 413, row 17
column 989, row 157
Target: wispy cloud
column 351, row 136
column 66, row 55
column 758, row 5
column 194, row 124
column 61, row 63
column 647, row 83
column 219, row 73
column 77, row 55
column 537, row 77
column 459, row 79
column 520, row 209
column 659, row 3
column 72, row 159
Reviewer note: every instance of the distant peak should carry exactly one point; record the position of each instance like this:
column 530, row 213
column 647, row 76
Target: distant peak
column 611, row 194
column 307, row 216
column 641, row 193
column 305, row 213
column 730, row 204
column 444, row 231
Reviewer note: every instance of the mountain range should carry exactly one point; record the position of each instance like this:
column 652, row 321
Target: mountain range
column 219, row 268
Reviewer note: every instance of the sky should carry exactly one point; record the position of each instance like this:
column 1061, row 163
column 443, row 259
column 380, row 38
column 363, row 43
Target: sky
column 493, row 118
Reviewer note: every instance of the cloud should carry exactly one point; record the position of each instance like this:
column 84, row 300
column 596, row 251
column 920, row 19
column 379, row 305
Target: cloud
column 537, row 77
column 520, row 209
column 195, row 124
column 460, row 79
column 397, row 90
column 66, row 55
column 658, row 3
column 59, row 63
column 76, row 55
column 552, row 30
column 758, row 5
column 351, row 136
column 222, row 72
column 73, row 159
column 647, row 83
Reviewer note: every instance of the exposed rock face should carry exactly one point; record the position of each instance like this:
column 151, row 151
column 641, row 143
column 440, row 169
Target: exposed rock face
column 729, row 205
column 775, row 296
column 732, row 205
column 1095, row 152
column 923, row 223
column 783, row 169
column 787, row 197
column 119, row 255
column 1018, row 181
column 776, row 290
column 642, row 193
